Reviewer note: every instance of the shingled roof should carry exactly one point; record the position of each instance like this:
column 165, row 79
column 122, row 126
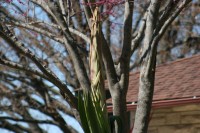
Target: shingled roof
column 177, row 81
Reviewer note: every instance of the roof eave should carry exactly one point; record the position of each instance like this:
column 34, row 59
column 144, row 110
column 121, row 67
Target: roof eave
column 163, row 103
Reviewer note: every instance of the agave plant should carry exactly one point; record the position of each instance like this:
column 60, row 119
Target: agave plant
column 92, row 104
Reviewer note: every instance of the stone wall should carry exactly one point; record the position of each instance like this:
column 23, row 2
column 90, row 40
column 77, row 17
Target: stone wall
column 177, row 119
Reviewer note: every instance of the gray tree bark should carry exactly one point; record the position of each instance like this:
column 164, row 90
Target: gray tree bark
column 147, row 72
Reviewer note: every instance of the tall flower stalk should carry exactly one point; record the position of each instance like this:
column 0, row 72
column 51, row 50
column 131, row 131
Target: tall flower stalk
column 96, row 74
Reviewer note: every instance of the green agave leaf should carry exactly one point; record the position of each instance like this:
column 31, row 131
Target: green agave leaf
column 91, row 115
column 101, row 116
column 82, row 114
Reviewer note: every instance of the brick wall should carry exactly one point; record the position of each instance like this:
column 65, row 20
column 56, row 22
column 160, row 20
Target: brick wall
column 178, row 119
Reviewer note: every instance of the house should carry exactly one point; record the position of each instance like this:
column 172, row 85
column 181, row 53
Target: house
column 176, row 100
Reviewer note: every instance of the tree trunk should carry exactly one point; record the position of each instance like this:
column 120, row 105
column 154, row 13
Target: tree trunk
column 147, row 72
column 145, row 97
column 119, row 109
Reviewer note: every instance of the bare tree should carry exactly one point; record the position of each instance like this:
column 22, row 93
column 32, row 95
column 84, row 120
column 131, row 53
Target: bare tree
column 45, row 47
